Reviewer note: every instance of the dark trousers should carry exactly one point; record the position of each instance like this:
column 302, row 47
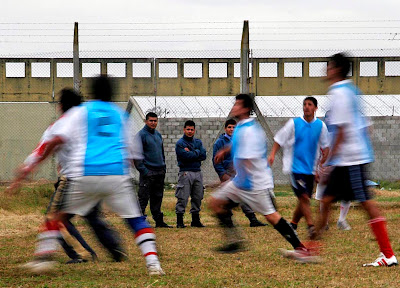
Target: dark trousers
column 151, row 187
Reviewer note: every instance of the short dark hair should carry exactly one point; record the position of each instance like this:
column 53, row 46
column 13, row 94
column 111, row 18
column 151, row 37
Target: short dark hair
column 341, row 61
column 102, row 88
column 68, row 99
column 248, row 101
column 230, row 122
column 312, row 99
column 151, row 114
column 189, row 123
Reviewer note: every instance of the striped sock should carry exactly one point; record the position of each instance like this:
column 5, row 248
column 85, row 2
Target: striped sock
column 378, row 226
column 47, row 240
column 146, row 240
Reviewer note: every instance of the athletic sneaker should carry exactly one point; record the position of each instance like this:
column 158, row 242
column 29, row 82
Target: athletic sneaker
column 39, row 266
column 343, row 225
column 76, row 261
column 383, row 261
column 301, row 255
column 231, row 248
column 312, row 233
column 155, row 270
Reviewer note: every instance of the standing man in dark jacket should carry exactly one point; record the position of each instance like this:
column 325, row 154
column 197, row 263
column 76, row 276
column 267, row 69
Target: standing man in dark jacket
column 152, row 170
column 225, row 168
column 189, row 153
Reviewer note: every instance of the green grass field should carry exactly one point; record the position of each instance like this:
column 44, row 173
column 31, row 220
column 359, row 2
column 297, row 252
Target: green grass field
column 187, row 254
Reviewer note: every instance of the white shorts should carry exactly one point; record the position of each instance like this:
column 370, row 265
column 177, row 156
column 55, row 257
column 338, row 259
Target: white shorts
column 116, row 191
column 261, row 201
column 320, row 191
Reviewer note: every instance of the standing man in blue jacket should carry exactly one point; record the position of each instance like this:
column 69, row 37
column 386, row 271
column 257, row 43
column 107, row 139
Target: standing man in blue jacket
column 189, row 153
column 225, row 168
column 152, row 170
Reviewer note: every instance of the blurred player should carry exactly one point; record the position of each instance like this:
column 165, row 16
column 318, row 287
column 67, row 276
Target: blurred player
column 302, row 138
column 323, row 178
column 225, row 169
column 102, row 151
column 351, row 151
column 70, row 239
column 252, row 183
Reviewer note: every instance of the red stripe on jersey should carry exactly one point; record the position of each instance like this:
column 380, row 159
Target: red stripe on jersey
column 150, row 253
column 143, row 231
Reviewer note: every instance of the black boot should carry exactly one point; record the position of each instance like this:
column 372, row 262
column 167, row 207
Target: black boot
column 160, row 222
column 179, row 221
column 196, row 221
column 254, row 221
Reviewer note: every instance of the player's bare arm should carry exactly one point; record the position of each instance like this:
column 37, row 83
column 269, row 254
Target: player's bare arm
column 271, row 157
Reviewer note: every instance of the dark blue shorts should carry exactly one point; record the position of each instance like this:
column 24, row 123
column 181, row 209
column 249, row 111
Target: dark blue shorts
column 302, row 184
column 348, row 183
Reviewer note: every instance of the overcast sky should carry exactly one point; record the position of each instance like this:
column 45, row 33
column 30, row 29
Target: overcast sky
column 272, row 24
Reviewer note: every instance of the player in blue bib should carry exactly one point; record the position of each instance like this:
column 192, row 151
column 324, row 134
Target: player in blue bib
column 302, row 138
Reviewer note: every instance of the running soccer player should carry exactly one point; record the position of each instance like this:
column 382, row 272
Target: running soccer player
column 225, row 169
column 302, row 138
column 70, row 239
column 252, row 183
column 350, row 153
column 103, row 148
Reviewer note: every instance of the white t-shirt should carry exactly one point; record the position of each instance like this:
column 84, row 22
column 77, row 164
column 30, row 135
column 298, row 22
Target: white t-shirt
column 301, row 142
column 346, row 112
column 249, row 152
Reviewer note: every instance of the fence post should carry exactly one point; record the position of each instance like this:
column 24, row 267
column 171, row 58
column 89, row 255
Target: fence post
column 76, row 58
column 244, row 59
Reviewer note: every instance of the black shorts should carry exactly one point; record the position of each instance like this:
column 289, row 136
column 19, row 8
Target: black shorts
column 302, row 184
column 348, row 183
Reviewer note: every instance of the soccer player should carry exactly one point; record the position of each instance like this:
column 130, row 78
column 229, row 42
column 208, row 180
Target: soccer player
column 102, row 148
column 77, row 249
column 302, row 138
column 152, row 170
column 252, row 183
column 323, row 177
column 350, row 153
column 189, row 153
column 226, row 171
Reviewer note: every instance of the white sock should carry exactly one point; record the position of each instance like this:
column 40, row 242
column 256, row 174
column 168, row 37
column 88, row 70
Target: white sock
column 344, row 209
column 146, row 240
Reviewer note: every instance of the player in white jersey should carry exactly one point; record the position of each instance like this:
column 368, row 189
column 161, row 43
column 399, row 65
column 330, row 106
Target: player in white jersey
column 301, row 139
column 103, row 148
column 351, row 151
column 252, row 184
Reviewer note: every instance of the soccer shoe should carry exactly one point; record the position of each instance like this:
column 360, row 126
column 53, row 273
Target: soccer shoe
column 300, row 255
column 119, row 255
column 343, row 225
column 231, row 248
column 155, row 270
column 76, row 261
column 256, row 223
column 39, row 266
column 383, row 261
column 312, row 233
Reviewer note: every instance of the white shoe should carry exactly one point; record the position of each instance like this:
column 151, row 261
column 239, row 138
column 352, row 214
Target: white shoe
column 39, row 266
column 343, row 225
column 300, row 255
column 155, row 270
column 383, row 261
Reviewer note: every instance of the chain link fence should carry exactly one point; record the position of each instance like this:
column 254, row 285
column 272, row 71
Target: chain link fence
column 198, row 85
